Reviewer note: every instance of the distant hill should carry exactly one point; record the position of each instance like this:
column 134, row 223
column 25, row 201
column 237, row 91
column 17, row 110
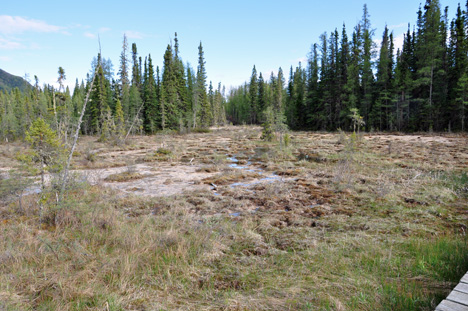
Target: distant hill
column 9, row 82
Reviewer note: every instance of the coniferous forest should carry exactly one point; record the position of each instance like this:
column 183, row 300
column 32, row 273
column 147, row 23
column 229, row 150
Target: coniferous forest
column 422, row 86
column 143, row 99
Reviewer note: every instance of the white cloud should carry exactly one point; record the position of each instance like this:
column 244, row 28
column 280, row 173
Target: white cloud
column 134, row 34
column 90, row 35
column 9, row 44
column 5, row 58
column 79, row 26
column 17, row 24
column 104, row 29
column 398, row 41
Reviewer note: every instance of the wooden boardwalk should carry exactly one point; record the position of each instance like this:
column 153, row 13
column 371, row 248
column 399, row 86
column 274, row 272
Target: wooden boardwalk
column 458, row 298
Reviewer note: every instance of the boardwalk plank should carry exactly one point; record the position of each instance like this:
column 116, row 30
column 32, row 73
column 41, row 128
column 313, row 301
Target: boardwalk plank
column 465, row 278
column 462, row 287
column 447, row 305
column 458, row 297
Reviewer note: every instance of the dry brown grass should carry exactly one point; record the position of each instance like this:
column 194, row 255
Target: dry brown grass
column 371, row 227
column 123, row 176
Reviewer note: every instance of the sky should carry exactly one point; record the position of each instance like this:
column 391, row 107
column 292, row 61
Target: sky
column 38, row 37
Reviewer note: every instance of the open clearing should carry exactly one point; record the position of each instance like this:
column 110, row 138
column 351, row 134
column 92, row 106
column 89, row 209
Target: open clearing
column 225, row 221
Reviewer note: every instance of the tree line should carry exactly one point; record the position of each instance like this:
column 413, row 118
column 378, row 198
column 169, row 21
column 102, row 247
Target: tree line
column 422, row 86
column 143, row 99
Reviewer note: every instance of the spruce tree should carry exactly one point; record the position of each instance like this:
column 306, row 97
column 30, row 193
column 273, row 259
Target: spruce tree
column 253, row 96
column 181, row 83
column 458, row 63
column 211, row 100
column 124, row 79
column 151, row 108
column 262, row 96
column 353, row 86
column 312, row 99
column 429, row 55
column 380, row 117
column 136, row 68
column 191, row 97
column 344, row 57
column 169, row 94
column 367, row 76
column 98, row 102
column 206, row 114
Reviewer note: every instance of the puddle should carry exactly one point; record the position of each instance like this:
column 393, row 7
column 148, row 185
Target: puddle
column 235, row 164
column 232, row 159
column 248, row 168
column 32, row 190
column 271, row 178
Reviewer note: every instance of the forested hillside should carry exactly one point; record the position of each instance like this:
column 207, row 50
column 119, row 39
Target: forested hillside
column 8, row 82
column 421, row 86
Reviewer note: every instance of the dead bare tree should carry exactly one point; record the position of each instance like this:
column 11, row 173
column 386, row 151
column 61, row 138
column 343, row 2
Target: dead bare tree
column 134, row 120
column 75, row 138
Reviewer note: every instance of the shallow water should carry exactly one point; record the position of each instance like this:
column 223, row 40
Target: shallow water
column 272, row 177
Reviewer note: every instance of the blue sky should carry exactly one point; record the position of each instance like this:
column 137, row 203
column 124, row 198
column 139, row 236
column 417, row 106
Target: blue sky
column 36, row 37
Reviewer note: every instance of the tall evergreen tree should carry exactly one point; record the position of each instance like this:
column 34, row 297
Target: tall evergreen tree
column 429, row 54
column 381, row 114
column 343, row 67
column 98, row 102
column 312, row 100
column 181, row 83
column 253, row 96
column 458, row 63
column 151, row 108
column 136, row 67
column 169, row 96
column 262, row 96
column 205, row 114
column 124, row 79
column 367, row 76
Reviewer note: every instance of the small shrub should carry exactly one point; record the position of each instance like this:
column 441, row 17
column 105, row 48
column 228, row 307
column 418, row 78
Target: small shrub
column 267, row 132
column 90, row 154
column 163, row 151
column 286, row 139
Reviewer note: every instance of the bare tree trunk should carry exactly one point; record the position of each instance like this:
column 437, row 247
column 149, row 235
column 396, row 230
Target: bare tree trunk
column 42, row 175
column 431, row 125
column 133, row 122
column 55, row 112
column 75, row 139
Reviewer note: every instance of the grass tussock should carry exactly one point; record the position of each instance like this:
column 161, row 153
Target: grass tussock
column 123, row 177
column 230, row 177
